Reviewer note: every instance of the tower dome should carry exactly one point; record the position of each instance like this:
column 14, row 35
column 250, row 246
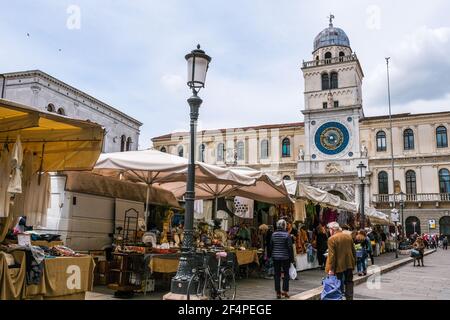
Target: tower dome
column 331, row 36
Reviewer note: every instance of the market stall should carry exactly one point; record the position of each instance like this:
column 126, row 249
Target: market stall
column 146, row 166
column 33, row 143
column 63, row 278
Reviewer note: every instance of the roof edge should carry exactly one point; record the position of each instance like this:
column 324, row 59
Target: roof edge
column 64, row 84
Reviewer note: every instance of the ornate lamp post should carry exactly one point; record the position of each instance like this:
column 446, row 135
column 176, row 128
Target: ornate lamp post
column 362, row 175
column 197, row 63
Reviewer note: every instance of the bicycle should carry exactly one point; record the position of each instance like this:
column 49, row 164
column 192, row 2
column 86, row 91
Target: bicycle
column 205, row 284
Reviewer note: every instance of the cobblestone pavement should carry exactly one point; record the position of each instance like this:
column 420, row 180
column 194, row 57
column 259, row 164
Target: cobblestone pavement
column 431, row 282
column 252, row 288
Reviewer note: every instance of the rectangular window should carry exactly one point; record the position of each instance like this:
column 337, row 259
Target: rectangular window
column 325, row 105
column 336, row 104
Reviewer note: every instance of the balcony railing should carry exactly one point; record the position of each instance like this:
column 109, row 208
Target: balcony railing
column 419, row 197
column 315, row 63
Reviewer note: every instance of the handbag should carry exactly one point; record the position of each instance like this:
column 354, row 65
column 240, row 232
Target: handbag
column 415, row 253
column 292, row 272
column 331, row 288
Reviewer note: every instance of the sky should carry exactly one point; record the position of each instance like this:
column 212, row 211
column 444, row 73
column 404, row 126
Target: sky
column 130, row 54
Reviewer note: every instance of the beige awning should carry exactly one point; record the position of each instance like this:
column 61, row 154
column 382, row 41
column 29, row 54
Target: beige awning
column 216, row 182
column 59, row 143
column 90, row 183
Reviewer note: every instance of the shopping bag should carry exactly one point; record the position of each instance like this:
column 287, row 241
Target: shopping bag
column 331, row 288
column 292, row 272
column 360, row 253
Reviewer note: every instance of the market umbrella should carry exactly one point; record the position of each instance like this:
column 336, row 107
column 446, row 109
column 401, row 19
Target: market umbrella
column 146, row 166
column 213, row 182
column 210, row 181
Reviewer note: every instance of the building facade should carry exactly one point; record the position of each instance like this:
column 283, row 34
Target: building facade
column 336, row 137
column 42, row 91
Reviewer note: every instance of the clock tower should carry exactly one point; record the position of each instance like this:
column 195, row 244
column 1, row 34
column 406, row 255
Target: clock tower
column 333, row 108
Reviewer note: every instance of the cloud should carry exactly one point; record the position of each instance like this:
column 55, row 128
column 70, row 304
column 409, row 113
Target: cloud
column 419, row 69
column 174, row 83
column 130, row 54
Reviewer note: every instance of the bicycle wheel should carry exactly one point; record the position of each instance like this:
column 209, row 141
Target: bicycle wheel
column 195, row 287
column 227, row 289
column 199, row 287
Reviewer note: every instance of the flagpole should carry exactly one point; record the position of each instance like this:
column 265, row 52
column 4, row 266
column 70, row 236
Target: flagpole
column 392, row 150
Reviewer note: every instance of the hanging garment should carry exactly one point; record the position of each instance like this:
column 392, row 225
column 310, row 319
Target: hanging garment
column 243, row 207
column 301, row 241
column 342, row 218
column 333, row 216
column 5, row 168
column 15, row 181
column 208, row 209
column 329, row 215
column 34, row 259
column 198, row 210
column 300, row 210
column 321, row 215
column 37, row 200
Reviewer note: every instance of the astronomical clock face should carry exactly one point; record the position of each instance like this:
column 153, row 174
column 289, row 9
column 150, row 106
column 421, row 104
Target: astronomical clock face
column 331, row 138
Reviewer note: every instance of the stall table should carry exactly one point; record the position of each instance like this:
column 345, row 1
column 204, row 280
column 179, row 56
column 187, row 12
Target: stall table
column 63, row 278
column 245, row 257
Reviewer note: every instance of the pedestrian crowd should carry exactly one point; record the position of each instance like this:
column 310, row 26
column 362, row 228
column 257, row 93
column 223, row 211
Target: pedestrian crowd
column 339, row 252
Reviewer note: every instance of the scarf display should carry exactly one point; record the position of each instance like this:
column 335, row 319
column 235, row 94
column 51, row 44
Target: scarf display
column 243, row 207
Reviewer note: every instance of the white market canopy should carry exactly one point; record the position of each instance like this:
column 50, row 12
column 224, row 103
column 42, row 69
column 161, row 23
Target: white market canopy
column 377, row 217
column 325, row 198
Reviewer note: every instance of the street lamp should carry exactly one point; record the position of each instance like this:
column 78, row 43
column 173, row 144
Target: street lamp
column 362, row 175
column 402, row 207
column 197, row 63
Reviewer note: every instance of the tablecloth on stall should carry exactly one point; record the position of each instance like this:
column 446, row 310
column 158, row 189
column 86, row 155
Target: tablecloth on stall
column 164, row 264
column 246, row 257
column 302, row 263
column 59, row 279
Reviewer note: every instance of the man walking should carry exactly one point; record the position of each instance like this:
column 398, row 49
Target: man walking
column 445, row 243
column 341, row 259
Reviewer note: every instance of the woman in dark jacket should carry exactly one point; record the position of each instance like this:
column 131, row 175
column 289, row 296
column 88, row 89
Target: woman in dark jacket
column 282, row 254
column 322, row 245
